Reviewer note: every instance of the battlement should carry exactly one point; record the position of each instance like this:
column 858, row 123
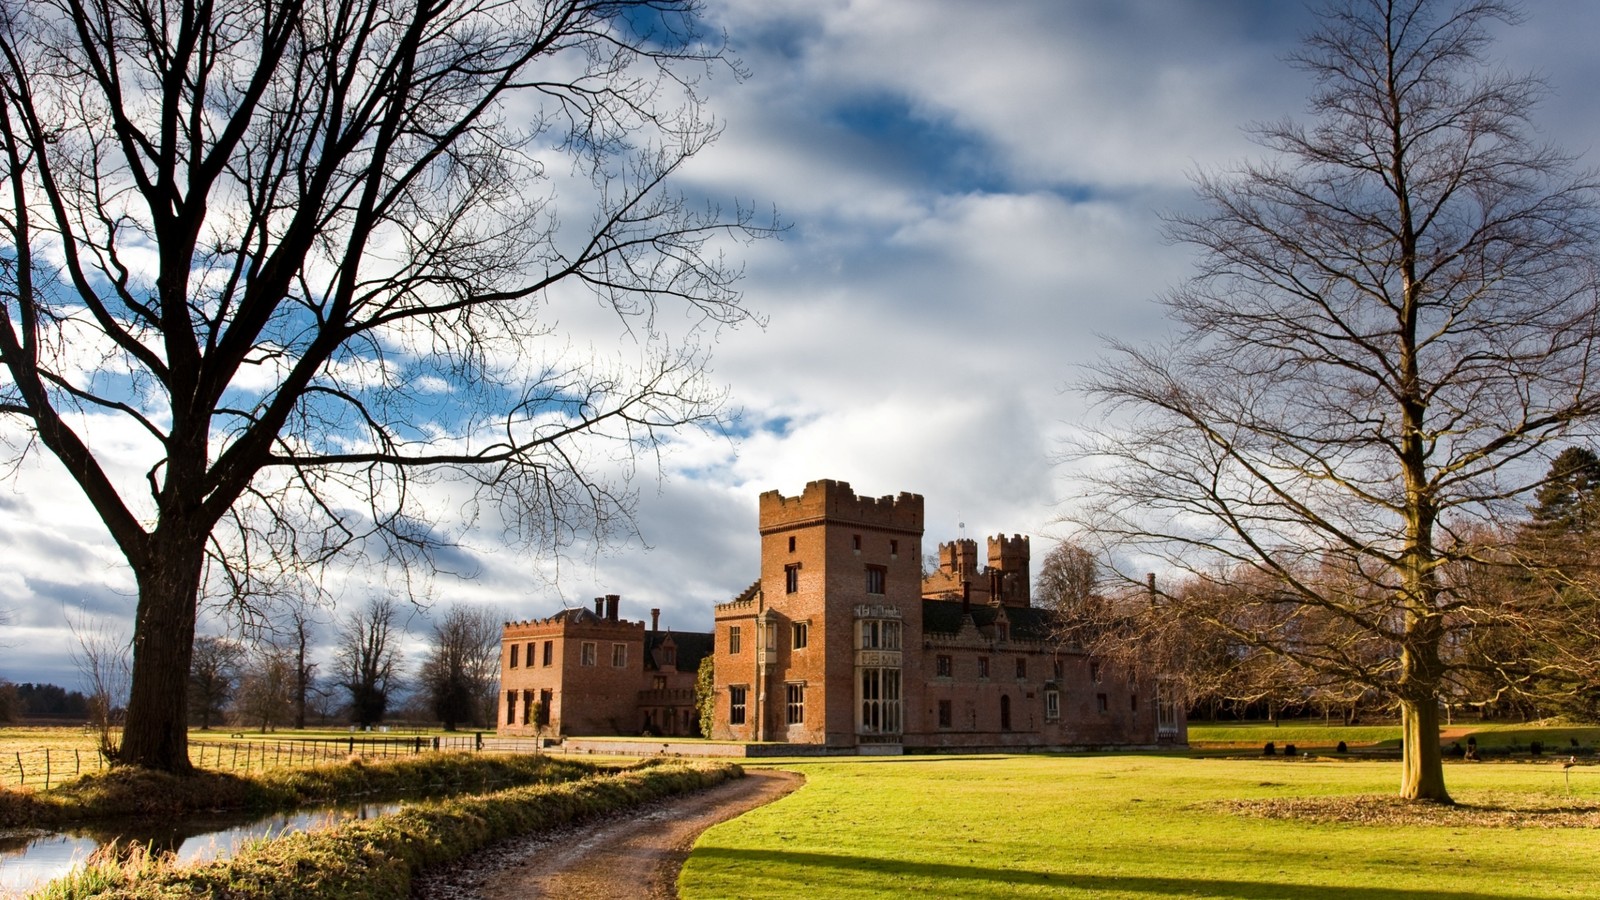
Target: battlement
column 959, row 557
column 834, row 501
column 1008, row 553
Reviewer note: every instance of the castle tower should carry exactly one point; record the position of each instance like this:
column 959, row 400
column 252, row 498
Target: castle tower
column 813, row 653
column 959, row 558
column 1010, row 557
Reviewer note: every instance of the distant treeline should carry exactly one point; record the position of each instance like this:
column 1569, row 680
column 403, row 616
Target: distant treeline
column 47, row 701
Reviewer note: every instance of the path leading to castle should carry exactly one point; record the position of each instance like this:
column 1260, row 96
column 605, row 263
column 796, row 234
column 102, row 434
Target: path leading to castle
column 636, row 855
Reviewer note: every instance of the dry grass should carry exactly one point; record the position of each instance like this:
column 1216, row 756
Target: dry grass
column 1492, row 810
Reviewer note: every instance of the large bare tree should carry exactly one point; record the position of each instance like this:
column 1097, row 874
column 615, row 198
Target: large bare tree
column 367, row 659
column 461, row 671
column 1393, row 319
column 291, row 261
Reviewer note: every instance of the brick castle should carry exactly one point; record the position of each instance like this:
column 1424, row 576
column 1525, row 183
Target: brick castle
column 843, row 644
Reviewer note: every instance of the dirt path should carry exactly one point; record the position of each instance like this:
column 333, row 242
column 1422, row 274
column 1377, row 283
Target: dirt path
column 635, row 855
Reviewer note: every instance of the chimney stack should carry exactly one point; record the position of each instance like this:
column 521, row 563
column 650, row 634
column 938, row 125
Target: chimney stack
column 611, row 607
column 599, row 607
column 655, row 620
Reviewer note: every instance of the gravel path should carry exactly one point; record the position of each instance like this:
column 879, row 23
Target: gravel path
column 635, row 855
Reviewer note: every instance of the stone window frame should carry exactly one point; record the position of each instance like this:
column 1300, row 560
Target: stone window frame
column 878, row 634
column 588, row 653
column 800, row 634
column 983, row 667
column 516, row 651
column 944, row 666
column 735, row 640
column 791, row 578
column 1052, row 705
column 619, row 656
column 877, row 580
column 1022, row 668
column 738, row 699
column 1102, row 704
column 794, row 702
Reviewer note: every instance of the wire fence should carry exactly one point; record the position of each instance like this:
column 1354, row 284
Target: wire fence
column 47, row 766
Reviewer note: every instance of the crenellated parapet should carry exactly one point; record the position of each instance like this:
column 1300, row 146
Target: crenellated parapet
column 834, row 501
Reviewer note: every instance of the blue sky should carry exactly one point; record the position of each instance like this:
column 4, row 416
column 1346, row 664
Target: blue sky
column 974, row 193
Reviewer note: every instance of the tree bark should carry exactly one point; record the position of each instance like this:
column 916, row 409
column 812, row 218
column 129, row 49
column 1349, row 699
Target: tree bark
column 1422, row 762
column 156, row 735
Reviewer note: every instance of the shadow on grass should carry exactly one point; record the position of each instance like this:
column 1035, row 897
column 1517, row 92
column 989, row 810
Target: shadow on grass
column 975, row 882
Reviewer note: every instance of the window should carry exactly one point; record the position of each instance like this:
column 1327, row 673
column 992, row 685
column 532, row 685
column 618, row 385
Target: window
column 791, row 579
column 1100, row 704
column 549, row 650
column 1002, row 631
column 736, row 704
column 855, row 542
column 1022, row 668
column 1005, row 713
column 619, row 655
column 669, row 656
column 802, row 634
column 880, row 634
column 733, row 639
column 880, row 701
column 791, row 543
column 1166, row 712
column 876, row 575
column 894, row 549
column 541, row 714
column 514, row 649
column 945, row 716
column 511, row 707
column 587, row 654
column 795, row 704
column 659, row 683
column 527, row 707
column 1056, row 669
column 1133, row 703
column 1094, row 672
column 983, row 667
column 944, row 667
column 1052, row 705
column 527, row 656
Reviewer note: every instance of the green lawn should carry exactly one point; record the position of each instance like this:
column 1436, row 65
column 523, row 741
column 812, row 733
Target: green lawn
column 1136, row 826
column 1313, row 734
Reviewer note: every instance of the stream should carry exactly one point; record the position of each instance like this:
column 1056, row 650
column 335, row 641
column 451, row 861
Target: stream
column 29, row 859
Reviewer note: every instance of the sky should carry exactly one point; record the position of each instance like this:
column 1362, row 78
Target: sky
column 973, row 195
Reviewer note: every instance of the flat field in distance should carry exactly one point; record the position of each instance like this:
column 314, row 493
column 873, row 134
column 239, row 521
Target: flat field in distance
column 1309, row 734
column 1144, row 826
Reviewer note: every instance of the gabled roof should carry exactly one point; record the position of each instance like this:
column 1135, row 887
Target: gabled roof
column 692, row 647
column 1027, row 623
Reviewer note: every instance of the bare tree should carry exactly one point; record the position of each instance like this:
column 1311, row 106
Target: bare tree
column 100, row 655
column 462, row 668
column 266, row 688
column 368, row 659
column 269, row 237
column 214, row 672
column 1393, row 319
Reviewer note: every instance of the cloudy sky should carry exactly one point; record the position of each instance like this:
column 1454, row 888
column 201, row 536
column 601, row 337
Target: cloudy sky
column 974, row 193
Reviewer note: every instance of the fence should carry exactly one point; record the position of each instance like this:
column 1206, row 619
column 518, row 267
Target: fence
column 42, row 768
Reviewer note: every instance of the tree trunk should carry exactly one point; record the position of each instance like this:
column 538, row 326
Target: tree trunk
column 1422, row 762
column 156, row 735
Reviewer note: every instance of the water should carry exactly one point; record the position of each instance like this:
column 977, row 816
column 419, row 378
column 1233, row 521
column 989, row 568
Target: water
column 30, row 859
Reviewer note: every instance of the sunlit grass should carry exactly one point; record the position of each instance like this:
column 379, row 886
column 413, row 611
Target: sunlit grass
column 1135, row 826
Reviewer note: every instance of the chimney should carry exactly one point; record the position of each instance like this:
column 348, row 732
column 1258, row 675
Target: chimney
column 599, row 607
column 611, row 607
column 655, row 620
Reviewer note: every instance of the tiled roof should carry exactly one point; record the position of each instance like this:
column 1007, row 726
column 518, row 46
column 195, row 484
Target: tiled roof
column 693, row 646
column 1027, row 623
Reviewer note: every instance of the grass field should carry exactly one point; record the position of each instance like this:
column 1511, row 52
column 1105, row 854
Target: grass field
column 1311, row 734
column 1142, row 826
